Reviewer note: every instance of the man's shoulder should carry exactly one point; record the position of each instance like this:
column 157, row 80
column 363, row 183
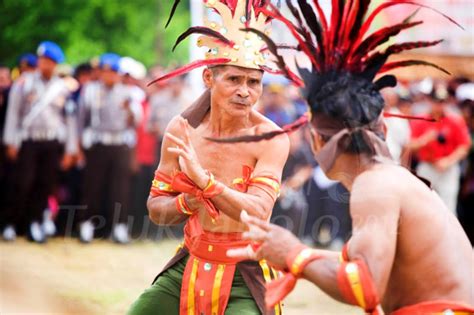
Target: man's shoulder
column 262, row 124
column 174, row 126
column 382, row 180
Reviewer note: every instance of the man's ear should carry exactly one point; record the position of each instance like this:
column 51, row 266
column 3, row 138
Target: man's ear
column 317, row 141
column 385, row 129
column 208, row 78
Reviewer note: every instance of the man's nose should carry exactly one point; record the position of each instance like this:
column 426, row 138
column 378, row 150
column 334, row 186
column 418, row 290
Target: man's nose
column 243, row 91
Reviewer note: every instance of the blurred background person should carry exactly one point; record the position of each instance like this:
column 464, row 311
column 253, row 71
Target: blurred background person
column 441, row 146
column 290, row 210
column 166, row 102
column 27, row 63
column 465, row 96
column 70, row 191
column 37, row 135
column 5, row 164
column 108, row 115
column 328, row 223
column 398, row 130
column 145, row 152
column 276, row 104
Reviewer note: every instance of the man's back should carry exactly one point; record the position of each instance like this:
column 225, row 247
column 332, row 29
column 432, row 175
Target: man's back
column 433, row 260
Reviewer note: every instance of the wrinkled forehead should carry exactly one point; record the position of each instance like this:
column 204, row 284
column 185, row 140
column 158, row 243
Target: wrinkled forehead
column 239, row 71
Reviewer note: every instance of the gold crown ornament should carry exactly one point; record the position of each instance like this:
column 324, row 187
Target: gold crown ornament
column 243, row 48
column 239, row 39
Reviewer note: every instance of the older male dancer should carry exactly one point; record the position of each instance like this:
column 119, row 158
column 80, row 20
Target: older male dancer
column 208, row 184
column 408, row 254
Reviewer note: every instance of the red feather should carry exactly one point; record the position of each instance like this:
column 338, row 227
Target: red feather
column 365, row 27
column 395, row 49
column 349, row 25
column 347, row 8
column 324, row 25
column 335, row 21
column 409, row 117
column 277, row 16
column 189, row 67
column 378, row 38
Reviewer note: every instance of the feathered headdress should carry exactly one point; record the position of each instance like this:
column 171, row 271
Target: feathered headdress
column 339, row 47
column 227, row 42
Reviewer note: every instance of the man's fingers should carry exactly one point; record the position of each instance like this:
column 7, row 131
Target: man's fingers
column 242, row 253
column 248, row 219
column 187, row 137
column 180, row 152
column 176, row 140
column 255, row 234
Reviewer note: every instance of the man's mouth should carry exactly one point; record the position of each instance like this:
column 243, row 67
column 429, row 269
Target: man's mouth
column 240, row 104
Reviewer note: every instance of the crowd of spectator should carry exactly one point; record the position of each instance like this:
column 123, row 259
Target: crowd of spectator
column 80, row 146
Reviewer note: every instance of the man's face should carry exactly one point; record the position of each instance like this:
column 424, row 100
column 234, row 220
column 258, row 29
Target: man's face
column 234, row 89
column 109, row 77
column 5, row 80
column 46, row 66
column 437, row 107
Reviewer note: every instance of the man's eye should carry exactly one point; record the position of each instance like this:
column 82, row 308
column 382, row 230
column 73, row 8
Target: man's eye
column 253, row 82
column 233, row 79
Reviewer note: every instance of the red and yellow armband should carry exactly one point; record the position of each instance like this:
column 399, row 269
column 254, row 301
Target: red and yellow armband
column 268, row 183
column 182, row 206
column 161, row 185
column 183, row 184
column 296, row 261
column 356, row 284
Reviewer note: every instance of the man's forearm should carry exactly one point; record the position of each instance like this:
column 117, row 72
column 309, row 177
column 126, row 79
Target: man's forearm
column 162, row 211
column 323, row 273
column 232, row 202
column 458, row 154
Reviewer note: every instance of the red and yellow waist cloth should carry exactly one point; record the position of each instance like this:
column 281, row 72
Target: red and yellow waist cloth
column 209, row 273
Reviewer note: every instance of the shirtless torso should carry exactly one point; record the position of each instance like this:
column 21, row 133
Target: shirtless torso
column 235, row 91
column 433, row 259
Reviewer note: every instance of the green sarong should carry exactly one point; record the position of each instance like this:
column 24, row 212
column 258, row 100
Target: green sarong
column 162, row 298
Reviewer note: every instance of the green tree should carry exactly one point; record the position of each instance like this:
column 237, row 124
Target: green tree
column 85, row 29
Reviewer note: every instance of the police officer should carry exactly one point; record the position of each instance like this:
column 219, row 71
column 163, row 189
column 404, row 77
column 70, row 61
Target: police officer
column 27, row 62
column 108, row 116
column 38, row 130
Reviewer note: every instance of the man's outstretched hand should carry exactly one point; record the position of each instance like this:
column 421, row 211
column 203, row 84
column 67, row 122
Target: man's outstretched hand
column 270, row 242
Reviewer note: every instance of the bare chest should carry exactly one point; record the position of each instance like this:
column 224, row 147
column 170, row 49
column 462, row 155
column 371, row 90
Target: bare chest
column 225, row 161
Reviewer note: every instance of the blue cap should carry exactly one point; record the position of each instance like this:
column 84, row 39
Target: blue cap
column 29, row 59
column 50, row 50
column 110, row 61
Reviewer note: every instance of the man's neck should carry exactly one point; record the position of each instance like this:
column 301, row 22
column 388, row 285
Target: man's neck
column 221, row 124
column 347, row 167
column 45, row 76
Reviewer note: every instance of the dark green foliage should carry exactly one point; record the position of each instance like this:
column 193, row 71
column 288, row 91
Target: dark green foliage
column 87, row 28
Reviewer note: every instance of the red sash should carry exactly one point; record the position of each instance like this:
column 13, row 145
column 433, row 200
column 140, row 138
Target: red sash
column 208, row 276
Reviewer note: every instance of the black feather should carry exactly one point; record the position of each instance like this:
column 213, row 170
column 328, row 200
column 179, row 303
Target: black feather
column 314, row 25
column 385, row 81
column 203, row 31
column 408, row 63
column 173, row 11
column 411, row 16
column 273, row 48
